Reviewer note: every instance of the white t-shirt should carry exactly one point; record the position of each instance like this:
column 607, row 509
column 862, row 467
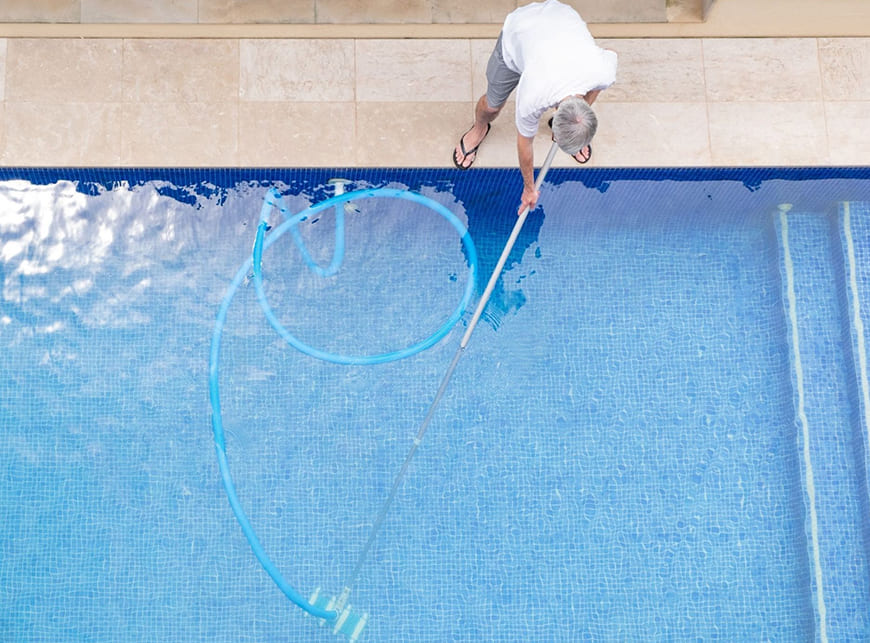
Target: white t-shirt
column 550, row 46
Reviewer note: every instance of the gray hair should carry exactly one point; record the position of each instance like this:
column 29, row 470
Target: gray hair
column 574, row 125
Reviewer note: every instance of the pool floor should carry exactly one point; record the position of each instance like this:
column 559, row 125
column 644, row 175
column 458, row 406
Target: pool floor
column 659, row 431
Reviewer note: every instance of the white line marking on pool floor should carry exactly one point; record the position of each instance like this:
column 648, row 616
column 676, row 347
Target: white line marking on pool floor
column 857, row 322
column 802, row 417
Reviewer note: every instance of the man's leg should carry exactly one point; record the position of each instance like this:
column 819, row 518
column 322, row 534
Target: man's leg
column 483, row 116
column 500, row 82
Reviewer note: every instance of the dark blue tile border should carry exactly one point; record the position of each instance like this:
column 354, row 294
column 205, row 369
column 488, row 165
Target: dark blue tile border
column 591, row 177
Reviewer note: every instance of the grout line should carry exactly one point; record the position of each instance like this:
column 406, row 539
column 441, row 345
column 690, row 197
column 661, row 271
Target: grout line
column 470, row 72
column 125, row 100
column 802, row 417
column 824, row 102
column 856, row 27
column 5, row 68
column 706, row 100
column 3, row 123
column 356, row 133
column 238, row 101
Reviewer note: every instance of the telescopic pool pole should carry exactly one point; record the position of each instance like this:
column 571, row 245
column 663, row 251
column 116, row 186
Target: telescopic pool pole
column 496, row 273
column 484, row 299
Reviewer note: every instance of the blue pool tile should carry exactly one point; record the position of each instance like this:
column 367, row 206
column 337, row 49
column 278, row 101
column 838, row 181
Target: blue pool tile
column 616, row 457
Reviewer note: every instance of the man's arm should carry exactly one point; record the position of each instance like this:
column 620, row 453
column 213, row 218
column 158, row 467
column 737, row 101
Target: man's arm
column 590, row 97
column 526, row 154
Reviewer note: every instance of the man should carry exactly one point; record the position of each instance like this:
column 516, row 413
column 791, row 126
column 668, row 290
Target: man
column 546, row 52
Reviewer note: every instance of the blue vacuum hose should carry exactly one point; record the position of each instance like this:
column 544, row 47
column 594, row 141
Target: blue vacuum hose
column 261, row 243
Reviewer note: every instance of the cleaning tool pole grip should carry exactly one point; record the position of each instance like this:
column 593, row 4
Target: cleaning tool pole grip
column 496, row 273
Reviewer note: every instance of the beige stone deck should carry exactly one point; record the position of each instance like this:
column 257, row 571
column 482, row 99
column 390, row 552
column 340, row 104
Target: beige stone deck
column 86, row 90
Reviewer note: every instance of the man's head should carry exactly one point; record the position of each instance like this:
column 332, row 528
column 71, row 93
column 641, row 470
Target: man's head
column 574, row 125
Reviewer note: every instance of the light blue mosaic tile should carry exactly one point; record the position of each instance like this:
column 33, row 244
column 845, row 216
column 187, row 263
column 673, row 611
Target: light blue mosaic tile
column 616, row 457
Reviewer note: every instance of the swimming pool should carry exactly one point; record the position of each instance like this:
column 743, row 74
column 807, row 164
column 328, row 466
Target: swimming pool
column 658, row 432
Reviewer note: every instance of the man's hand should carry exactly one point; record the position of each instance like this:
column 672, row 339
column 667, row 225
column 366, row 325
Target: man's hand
column 529, row 199
column 526, row 154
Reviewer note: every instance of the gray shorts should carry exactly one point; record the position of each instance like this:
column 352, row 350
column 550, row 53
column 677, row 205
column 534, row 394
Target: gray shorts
column 500, row 81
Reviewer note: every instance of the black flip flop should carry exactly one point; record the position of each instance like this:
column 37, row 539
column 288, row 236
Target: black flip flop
column 585, row 158
column 465, row 152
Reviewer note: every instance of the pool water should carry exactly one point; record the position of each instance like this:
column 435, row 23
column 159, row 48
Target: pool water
column 659, row 430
